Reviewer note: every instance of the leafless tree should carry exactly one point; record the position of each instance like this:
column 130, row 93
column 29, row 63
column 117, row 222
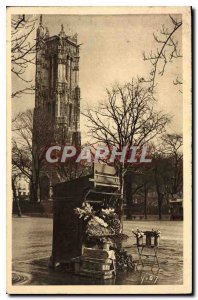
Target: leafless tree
column 172, row 145
column 28, row 156
column 126, row 118
column 23, row 49
column 138, row 182
column 168, row 49
column 168, row 168
column 33, row 133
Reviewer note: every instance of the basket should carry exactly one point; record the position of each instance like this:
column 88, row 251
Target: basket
column 152, row 239
column 139, row 241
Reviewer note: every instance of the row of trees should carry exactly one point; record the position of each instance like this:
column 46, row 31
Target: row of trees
column 164, row 175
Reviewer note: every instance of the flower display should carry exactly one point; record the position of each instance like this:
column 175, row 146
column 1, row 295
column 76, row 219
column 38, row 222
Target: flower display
column 101, row 224
column 100, row 221
column 108, row 211
column 96, row 227
column 102, row 228
column 156, row 232
column 124, row 260
column 85, row 212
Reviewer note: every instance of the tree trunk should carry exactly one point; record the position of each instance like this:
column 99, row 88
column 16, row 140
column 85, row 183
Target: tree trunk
column 145, row 201
column 16, row 200
column 34, row 191
column 160, row 206
column 121, row 205
column 128, row 189
column 159, row 195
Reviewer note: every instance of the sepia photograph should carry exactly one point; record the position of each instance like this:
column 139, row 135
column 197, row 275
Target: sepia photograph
column 99, row 187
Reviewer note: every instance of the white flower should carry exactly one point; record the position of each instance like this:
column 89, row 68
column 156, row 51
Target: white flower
column 108, row 211
column 85, row 212
column 138, row 233
column 101, row 222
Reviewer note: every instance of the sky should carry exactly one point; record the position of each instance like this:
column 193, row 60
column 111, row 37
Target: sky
column 111, row 52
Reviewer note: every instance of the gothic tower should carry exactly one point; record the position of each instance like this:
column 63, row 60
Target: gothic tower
column 57, row 98
column 57, row 79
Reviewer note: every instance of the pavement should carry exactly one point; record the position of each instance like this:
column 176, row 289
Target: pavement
column 32, row 244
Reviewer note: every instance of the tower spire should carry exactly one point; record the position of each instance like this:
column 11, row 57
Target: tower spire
column 41, row 20
column 42, row 32
column 62, row 32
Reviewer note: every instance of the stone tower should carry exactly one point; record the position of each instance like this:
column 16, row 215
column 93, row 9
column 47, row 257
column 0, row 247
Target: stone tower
column 57, row 78
column 57, row 97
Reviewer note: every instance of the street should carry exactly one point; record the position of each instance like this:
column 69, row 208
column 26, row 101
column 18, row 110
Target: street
column 32, row 240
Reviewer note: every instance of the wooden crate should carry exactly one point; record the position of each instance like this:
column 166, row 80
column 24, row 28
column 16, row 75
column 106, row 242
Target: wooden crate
column 95, row 263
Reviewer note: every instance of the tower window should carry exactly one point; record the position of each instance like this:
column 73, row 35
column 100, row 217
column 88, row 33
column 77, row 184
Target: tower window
column 66, row 68
column 71, row 62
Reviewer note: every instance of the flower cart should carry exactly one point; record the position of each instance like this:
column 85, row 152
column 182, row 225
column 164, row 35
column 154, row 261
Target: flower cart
column 102, row 191
column 87, row 231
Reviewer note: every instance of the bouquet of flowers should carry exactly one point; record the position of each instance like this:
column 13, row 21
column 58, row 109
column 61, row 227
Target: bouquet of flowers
column 102, row 224
column 85, row 212
column 124, row 260
column 138, row 233
column 97, row 227
column 139, row 236
column 156, row 233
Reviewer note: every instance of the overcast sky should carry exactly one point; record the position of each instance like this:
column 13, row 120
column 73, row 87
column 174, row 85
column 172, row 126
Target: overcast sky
column 112, row 52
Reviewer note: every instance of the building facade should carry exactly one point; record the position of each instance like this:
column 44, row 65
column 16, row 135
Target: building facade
column 22, row 187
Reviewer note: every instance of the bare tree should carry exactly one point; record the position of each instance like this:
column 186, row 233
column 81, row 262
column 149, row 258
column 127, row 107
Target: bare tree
column 172, row 145
column 33, row 133
column 168, row 168
column 126, row 118
column 139, row 183
column 23, row 49
column 29, row 145
column 168, row 49
column 161, row 173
